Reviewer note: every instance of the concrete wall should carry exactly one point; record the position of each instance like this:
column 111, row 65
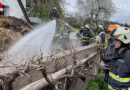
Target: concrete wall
column 78, row 84
column 59, row 62
column 13, row 8
column 64, row 59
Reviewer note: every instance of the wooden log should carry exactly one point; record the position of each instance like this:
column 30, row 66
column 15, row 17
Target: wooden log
column 54, row 77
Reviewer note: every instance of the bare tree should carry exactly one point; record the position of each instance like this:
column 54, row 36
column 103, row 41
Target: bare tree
column 96, row 10
column 63, row 5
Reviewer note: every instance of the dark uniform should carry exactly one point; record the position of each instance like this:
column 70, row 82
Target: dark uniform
column 110, row 52
column 86, row 37
column 54, row 15
column 80, row 33
column 119, row 75
column 109, row 55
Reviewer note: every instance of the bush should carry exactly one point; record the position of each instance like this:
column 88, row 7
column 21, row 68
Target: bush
column 41, row 11
column 97, row 84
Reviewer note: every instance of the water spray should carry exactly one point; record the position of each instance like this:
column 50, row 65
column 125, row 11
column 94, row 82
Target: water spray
column 33, row 44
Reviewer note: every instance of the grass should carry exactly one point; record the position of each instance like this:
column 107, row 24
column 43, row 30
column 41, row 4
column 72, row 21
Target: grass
column 97, row 83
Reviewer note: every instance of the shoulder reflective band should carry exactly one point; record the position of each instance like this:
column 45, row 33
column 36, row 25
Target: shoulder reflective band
column 85, row 37
column 91, row 38
column 125, row 80
column 85, row 41
column 110, row 87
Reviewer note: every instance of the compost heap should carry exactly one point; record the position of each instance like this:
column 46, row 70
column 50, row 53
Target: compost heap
column 11, row 30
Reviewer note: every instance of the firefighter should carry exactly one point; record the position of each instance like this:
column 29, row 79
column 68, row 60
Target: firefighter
column 54, row 14
column 87, row 36
column 119, row 74
column 79, row 34
column 66, row 31
column 100, row 38
column 65, row 36
column 1, row 9
column 109, row 52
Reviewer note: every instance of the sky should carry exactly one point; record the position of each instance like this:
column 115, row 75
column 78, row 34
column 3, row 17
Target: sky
column 122, row 14
column 123, row 11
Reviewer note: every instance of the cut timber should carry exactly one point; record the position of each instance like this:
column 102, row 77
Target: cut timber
column 53, row 77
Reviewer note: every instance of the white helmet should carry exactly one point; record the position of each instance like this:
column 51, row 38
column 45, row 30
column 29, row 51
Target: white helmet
column 67, row 24
column 54, row 8
column 101, row 27
column 82, row 27
column 86, row 26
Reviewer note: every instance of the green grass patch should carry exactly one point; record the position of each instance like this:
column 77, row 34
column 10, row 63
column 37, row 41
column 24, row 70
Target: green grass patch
column 99, row 73
column 97, row 83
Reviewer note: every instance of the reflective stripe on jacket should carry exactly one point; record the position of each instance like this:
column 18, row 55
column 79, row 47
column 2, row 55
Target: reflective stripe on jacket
column 119, row 75
column 111, row 88
column 86, row 36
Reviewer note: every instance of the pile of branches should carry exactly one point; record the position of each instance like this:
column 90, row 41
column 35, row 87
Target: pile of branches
column 64, row 82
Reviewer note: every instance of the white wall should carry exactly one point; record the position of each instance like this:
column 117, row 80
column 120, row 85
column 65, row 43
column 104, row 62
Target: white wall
column 14, row 8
